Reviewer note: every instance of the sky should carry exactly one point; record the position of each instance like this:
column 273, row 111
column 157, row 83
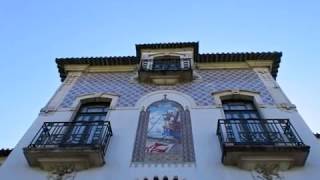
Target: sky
column 34, row 33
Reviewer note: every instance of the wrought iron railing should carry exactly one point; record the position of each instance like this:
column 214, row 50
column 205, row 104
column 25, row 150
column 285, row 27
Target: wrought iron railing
column 166, row 65
column 95, row 134
column 255, row 132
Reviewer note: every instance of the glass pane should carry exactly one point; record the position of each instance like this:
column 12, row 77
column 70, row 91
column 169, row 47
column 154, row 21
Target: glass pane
column 249, row 106
column 79, row 118
column 242, row 110
column 83, row 118
column 246, row 116
column 99, row 118
column 225, row 107
column 83, row 109
column 253, row 115
column 228, row 116
column 92, row 112
column 235, row 116
column 95, row 109
column 237, row 107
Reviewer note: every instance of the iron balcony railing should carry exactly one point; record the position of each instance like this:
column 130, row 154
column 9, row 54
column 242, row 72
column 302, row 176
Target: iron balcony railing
column 77, row 134
column 256, row 132
column 166, row 64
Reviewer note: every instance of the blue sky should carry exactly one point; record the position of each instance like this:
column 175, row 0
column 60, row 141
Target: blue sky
column 33, row 33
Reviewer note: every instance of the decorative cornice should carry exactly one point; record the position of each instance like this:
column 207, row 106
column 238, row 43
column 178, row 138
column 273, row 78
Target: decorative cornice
column 252, row 58
column 128, row 63
column 93, row 61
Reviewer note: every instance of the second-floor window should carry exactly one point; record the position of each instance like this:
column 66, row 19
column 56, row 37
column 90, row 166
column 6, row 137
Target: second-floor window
column 87, row 124
column 243, row 120
column 240, row 109
column 166, row 63
column 92, row 112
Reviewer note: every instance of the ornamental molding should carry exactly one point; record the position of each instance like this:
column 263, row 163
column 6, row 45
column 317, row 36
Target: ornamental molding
column 113, row 98
column 267, row 172
column 93, row 69
column 248, row 64
column 286, row 107
column 238, row 94
column 61, row 173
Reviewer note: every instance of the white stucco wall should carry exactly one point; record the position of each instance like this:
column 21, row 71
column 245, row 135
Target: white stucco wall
column 124, row 123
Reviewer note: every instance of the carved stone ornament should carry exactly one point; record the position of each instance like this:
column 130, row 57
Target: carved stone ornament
column 62, row 173
column 267, row 172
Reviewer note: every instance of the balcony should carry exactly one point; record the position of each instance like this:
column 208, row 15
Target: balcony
column 77, row 145
column 247, row 143
column 165, row 71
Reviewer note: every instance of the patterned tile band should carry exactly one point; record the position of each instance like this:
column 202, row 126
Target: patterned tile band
column 200, row 90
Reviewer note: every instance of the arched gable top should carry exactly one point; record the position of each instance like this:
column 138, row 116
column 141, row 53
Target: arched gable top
column 184, row 100
column 165, row 102
column 109, row 99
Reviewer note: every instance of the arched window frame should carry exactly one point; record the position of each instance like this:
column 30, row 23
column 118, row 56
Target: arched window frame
column 237, row 94
column 94, row 98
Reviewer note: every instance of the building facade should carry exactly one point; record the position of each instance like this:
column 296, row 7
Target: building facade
column 168, row 113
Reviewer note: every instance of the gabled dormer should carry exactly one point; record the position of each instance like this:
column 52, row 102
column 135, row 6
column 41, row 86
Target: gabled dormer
column 166, row 64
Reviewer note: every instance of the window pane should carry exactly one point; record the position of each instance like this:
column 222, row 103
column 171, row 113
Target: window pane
column 84, row 109
column 80, row 118
column 225, row 107
column 240, row 109
column 92, row 112
column 254, row 115
column 95, row 109
column 228, row 116
column 86, row 118
column 249, row 106
column 246, row 116
column 236, row 116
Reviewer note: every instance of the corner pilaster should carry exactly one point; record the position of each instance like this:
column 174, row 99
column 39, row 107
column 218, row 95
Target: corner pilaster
column 280, row 99
column 61, row 92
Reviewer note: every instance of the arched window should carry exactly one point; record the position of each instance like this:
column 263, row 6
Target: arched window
column 155, row 178
column 165, row 178
column 164, row 134
column 175, row 178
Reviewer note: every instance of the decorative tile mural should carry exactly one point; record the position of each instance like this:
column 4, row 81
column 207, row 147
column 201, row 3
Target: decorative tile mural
column 200, row 90
column 164, row 128
column 164, row 134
